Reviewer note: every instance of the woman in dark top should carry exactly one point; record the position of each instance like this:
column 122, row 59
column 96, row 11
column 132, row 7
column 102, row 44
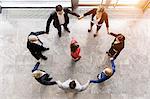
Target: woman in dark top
column 41, row 76
column 116, row 46
column 98, row 17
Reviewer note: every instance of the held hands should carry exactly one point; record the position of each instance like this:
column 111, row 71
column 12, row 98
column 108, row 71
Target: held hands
column 111, row 58
column 46, row 32
column 79, row 18
column 108, row 31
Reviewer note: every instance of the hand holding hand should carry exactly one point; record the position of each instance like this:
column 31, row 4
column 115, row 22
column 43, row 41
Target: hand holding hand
column 108, row 31
column 79, row 18
column 46, row 32
column 111, row 58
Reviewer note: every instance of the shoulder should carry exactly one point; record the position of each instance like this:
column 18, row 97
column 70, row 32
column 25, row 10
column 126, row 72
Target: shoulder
column 105, row 14
column 66, row 9
column 53, row 13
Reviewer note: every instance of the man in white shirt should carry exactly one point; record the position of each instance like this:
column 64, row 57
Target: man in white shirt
column 72, row 85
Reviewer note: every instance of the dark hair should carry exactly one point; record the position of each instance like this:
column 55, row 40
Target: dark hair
column 59, row 8
column 72, row 84
column 74, row 47
column 120, row 37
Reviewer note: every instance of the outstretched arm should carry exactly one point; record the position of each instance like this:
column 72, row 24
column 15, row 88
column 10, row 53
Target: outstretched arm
column 113, row 34
column 90, row 12
column 71, row 12
column 99, row 80
column 59, row 84
column 48, row 23
column 107, row 23
column 84, row 87
column 36, row 66
column 113, row 65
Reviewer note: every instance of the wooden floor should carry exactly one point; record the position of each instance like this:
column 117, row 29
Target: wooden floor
column 130, row 81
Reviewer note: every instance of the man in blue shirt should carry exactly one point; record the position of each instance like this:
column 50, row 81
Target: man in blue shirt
column 106, row 74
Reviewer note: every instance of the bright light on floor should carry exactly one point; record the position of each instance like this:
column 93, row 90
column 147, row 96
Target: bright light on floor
column 125, row 1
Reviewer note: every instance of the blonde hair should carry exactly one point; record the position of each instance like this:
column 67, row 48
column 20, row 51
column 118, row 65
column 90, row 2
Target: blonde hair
column 37, row 74
column 108, row 71
column 100, row 8
column 32, row 38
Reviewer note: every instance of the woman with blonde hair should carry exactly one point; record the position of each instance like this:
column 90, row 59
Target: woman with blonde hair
column 41, row 76
column 105, row 74
column 98, row 17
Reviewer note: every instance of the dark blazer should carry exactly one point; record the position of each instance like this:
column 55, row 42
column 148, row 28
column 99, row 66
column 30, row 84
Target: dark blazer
column 53, row 16
column 118, row 47
column 45, row 80
column 35, row 48
column 103, row 18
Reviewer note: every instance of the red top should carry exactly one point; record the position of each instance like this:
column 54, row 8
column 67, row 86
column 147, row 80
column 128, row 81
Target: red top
column 76, row 54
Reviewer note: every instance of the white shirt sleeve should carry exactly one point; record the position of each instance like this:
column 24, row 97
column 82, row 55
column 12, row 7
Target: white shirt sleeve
column 59, row 84
column 64, row 85
column 79, row 87
column 84, row 87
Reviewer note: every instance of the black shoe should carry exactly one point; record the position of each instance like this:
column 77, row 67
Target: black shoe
column 67, row 30
column 47, row 49
column 78, row 59
column 89, row 30
column 95, row 35
column 44, row 57
column 59, row 34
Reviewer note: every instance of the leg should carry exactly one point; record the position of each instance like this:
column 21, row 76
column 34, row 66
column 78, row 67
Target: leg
column 91, row 25
column 110, row 52
column 116, row 55
column 98, row 27
column 41, row 56
column 36, row 56
column 37, row 33
column 51, row 83
column 59, row 30
column 44, row 48
column 66, row 28
column 36, row 66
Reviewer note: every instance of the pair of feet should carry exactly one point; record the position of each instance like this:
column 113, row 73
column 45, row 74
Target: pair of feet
column 66, row 29
column 44, row 57
column 77, row 59
column 89, row 30
column 109, row 54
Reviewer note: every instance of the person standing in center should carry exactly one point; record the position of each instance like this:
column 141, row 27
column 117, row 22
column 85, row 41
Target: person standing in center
column 75, row 50
column 98, row 17
column 60, row 17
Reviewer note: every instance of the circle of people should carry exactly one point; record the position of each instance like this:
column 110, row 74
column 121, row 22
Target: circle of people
column 60, row 18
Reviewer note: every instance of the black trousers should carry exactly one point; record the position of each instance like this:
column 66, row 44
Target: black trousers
column 113, row 53
column 38, row 54
column 59, row 29
column 98, row 27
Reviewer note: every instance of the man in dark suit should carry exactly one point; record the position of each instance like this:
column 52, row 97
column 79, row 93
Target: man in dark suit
column 60, row 17
column 35, row 45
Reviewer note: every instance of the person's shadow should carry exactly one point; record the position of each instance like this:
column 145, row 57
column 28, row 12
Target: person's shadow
column 70, row 70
